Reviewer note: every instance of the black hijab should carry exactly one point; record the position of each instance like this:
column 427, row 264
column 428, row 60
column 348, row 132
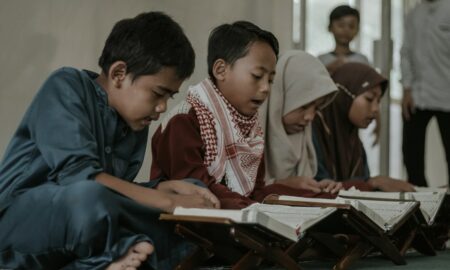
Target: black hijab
column 336, row 135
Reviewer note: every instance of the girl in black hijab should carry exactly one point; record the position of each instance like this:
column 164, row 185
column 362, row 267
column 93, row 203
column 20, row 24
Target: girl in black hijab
column 339, row 150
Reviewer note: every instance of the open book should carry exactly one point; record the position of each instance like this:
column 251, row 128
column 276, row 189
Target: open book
column 430, row 199
column 287, row 221
column 385, row 214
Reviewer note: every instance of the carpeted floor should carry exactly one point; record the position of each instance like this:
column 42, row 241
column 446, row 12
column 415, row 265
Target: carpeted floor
column 414, row 261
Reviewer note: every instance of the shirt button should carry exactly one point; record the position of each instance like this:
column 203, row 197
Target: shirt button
column 108, row 150
column 124, row 131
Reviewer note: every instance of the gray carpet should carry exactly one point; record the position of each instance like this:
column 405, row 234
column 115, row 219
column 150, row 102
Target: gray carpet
column 414, row 261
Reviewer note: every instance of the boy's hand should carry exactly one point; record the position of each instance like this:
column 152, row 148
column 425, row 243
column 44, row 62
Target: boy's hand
column 388, row 184
column 185, row 188
column 407, row 104
column 330, row 186
column 301, row 182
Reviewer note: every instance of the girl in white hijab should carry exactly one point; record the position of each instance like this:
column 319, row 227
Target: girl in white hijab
column 302, row 86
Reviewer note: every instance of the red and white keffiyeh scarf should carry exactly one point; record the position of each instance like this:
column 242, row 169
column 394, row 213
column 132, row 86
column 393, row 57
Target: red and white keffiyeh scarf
column 234, row 143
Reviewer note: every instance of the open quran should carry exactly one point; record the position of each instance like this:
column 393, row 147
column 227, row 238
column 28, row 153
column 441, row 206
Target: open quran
column 385, row 214
column 287, row 221
column 245, row 238
column 388, row 225
column 284, row 227
column 430, row 199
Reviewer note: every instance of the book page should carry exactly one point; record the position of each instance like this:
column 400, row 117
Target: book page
column 390, row 212
column 235, row 215
column 375, row 194
column 300, row 218
column 304, row 199
column 385, row 214
column 430, row 202
column 432, row 189
column 290, row 222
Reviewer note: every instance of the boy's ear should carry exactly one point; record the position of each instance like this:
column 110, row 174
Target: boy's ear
column 117, row 73
column 219, row 69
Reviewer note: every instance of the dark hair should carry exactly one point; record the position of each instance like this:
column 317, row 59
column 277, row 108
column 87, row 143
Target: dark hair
column 342, row 11
column 147, row 43
column 232, row 41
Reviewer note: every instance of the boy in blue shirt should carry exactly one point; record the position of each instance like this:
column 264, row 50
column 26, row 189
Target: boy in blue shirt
column 66, row 194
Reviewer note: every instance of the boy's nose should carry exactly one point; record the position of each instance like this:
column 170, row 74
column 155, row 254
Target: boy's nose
column 161, row 107
column 265, row 87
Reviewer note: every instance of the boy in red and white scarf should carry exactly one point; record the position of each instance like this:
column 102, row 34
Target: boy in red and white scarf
column 214, row 135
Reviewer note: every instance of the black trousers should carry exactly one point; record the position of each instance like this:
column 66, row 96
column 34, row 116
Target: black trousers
column 414, row 132
column 82, row 226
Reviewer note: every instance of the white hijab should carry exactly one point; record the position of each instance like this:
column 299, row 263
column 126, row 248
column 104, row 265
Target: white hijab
column 300, row 79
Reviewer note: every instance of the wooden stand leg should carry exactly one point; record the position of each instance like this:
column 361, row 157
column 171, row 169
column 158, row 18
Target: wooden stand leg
column 360, row 249
column 388, row 249
column 200, row 255
column 281, row 258
column 416, row 238
column 422, row 244
column 297, row 248
column 378, row 240
column 194, row 260
column 407, row 241
column 244, row 249
column 258, row 247
column 251, row 260
column 329, row 242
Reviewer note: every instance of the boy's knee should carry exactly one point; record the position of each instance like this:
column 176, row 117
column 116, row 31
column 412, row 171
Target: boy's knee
column 91, row 210
column 87, row 194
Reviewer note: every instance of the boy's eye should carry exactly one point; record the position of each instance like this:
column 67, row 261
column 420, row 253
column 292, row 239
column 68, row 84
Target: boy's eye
column 159, row 94
column 256, row 76
column 163, row 94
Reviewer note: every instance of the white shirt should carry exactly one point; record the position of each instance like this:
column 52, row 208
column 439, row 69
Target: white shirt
column 328, row 58
column 426, row 55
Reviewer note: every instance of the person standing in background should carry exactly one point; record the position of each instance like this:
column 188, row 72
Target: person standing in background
column 425, row 65
column 344, row 25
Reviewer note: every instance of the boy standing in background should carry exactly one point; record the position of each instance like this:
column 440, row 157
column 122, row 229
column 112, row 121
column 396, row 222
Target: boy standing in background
column 344, row 25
